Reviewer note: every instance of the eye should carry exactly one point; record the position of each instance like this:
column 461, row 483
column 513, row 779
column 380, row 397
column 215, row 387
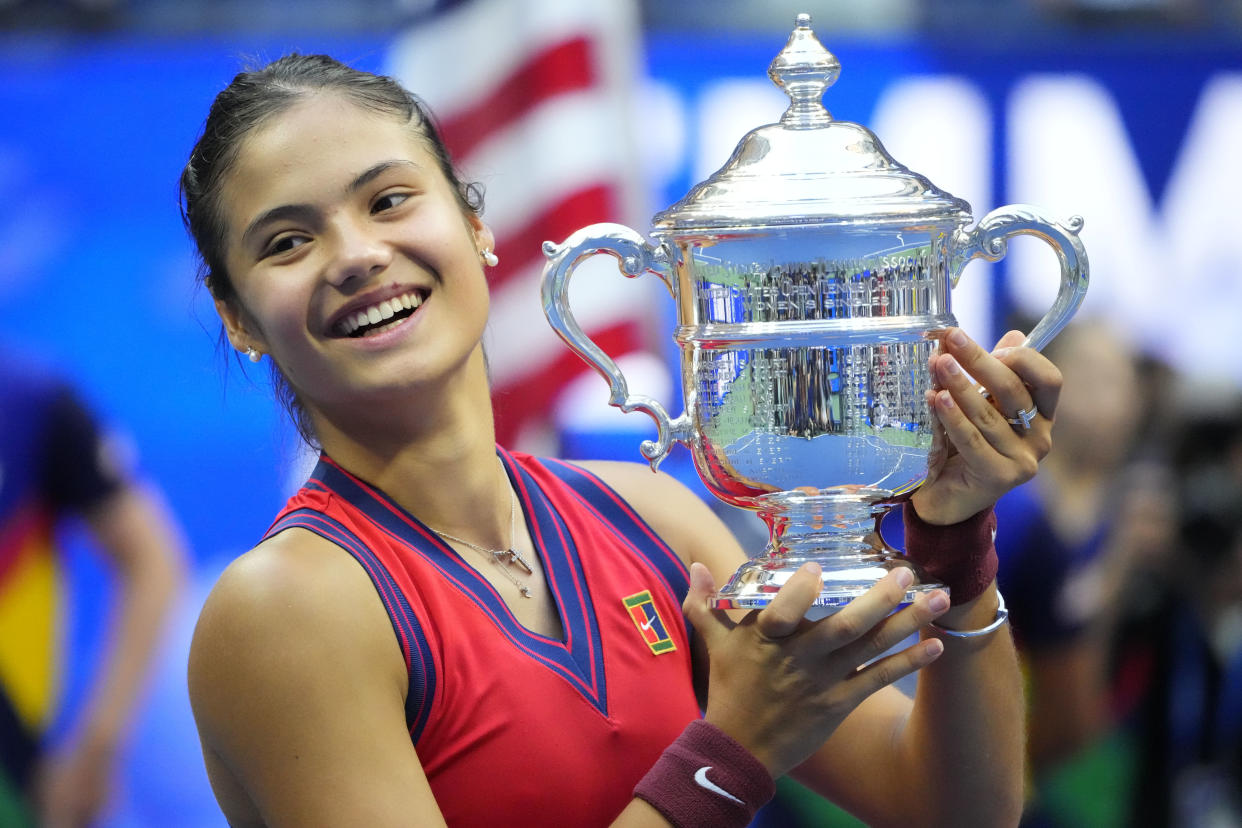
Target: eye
column 283, row 244
column 389, row 201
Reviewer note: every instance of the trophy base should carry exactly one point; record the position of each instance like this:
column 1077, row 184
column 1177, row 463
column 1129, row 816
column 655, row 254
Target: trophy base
column 756, row 583
column 836, row 528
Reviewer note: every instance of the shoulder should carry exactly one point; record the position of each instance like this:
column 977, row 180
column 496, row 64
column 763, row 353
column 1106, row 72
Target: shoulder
column 276, row 613
column 292, row 572
column 679, row 515
column 633, row 480
column 661, row 499
column 296, row 676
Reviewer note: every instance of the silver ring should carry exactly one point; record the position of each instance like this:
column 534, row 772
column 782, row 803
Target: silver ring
column 1024, row 418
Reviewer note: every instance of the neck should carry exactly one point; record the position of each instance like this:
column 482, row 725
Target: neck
column 433, row 452
column 1076, row 494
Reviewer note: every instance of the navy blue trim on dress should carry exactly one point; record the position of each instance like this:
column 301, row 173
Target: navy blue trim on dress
column 627, row 526
column 578, row 658
column 566, row 577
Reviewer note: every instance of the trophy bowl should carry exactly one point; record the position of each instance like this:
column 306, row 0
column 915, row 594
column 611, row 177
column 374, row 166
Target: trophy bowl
column 812, row 278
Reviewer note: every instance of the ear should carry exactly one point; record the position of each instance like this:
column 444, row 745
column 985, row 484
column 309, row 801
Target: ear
column 483, row 236
column 237, row 328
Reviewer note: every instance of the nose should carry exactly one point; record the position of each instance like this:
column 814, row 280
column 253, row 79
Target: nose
column 359, row 252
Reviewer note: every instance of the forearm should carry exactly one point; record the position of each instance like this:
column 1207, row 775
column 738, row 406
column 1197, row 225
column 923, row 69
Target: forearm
column 640, row 814
column 962, row 749
column 145, row 548
column 144, row 603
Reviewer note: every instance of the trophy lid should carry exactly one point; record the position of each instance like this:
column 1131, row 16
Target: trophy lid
column 809, row 169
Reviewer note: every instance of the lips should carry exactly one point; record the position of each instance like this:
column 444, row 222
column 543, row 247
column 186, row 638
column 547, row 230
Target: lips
column 372, row 318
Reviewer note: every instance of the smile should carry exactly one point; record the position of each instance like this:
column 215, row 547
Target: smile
column 381, row 315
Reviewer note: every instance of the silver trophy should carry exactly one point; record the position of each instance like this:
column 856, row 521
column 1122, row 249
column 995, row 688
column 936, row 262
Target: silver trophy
column 811, row 276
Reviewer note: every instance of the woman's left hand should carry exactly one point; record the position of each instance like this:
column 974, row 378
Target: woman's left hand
column 980, row 448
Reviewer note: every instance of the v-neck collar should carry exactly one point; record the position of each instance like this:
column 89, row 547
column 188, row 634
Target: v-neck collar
column 579, row 656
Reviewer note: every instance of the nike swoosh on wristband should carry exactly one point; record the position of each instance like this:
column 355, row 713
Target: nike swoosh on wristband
column 700, row 776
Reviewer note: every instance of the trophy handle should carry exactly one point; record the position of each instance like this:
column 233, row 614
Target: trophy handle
column 989, row 240
column 634, row 257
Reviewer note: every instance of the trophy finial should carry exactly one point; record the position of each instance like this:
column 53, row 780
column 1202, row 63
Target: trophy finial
column 804, row 69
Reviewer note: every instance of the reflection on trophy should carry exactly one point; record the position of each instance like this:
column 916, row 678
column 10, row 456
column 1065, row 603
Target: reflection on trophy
column 811, row 276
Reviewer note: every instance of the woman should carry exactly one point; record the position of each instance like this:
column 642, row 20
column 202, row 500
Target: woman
column 402, row 649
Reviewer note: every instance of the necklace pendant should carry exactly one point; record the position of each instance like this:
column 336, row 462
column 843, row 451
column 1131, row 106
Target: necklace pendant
column 525, row 591
column 516, row 558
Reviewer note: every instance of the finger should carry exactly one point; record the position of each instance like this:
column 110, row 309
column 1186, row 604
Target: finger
column 885, row 671
column 1040, row 376
column 1007, row 345
column 940, row 445
column 1007, row 393
column 978, row 408
column 931, row 370
column 897, row 627
column 1003, row 385
column 963, row 432
column 784, row 615
column 709, row 622
column 859, row 617
column 996, row 453
column 1011, row 339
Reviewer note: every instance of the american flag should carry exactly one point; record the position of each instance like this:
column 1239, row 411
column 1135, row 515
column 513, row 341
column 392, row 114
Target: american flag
column 533, row 98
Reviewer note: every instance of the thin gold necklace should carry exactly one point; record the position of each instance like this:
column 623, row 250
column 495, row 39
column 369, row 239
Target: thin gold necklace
column 504, row 557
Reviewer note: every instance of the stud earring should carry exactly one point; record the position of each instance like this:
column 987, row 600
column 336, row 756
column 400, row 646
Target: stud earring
column 489, row 258
column 254, row 355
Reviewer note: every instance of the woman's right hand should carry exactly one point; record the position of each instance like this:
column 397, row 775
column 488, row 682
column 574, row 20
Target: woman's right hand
column 780, row 684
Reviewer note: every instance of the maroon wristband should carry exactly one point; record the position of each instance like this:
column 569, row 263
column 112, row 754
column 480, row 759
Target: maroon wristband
column 962, row 556
column 705, row 778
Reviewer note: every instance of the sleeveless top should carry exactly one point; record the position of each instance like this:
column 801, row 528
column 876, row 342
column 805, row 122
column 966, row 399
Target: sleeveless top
column 513, row 727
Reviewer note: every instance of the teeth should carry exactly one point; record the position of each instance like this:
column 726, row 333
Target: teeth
column 378, row 312
column 380, row 328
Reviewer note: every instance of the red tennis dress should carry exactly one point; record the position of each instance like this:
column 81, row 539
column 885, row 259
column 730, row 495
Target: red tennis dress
column 515, row 728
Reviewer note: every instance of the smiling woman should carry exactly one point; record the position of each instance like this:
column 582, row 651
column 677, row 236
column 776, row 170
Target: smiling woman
column 270, row 233
column 363, row 217
column 431, row 611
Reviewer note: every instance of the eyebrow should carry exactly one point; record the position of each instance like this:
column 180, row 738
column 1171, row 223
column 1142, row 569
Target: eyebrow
column 305, row 211
column 375, row 171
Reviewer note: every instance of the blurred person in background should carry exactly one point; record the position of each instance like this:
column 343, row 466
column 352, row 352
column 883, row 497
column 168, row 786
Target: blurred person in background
column 1176, row 666
column 1124, row 563
column 1056, row 541
column 58, row 464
